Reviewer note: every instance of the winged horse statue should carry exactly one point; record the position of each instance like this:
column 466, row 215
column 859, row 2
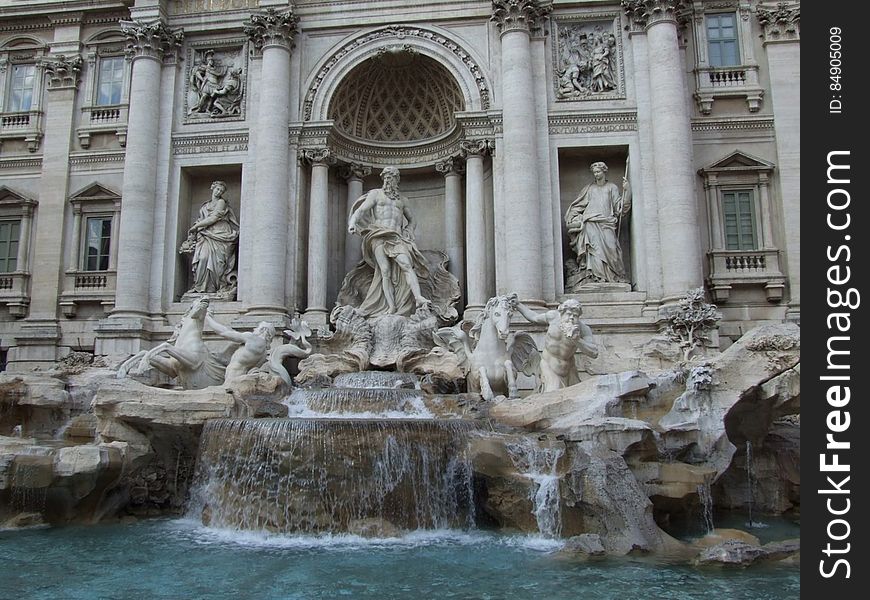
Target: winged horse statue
column 490, row 356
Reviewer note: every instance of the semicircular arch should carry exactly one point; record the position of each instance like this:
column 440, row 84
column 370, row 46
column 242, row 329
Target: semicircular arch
column 427, row 41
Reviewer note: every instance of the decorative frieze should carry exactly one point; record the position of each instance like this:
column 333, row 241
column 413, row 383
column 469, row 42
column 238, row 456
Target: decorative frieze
column 781, row 23
column 192, row 7
column 210, row 144
column 215, row 85
column 644, row 13
column 523, row 15
column 272, row 28
column 571, row 124
column 588, row 62
column 63, row 71
column 151, row 40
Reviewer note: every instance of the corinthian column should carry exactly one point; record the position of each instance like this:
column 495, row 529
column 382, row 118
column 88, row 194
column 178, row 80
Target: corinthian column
column 318, row 233
column 672, row 146
column 271, row 33
column 453, row 230
column 146, row 44
column 520, row 212
column 781, row 25
column 476, row 293
column 355, row 174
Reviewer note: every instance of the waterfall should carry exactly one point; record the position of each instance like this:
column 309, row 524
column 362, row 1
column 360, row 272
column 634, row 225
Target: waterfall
column 332, row 475
column 750, row 478
column 345, row 402
column 372, row 380
column 705, row 494
column 539, row 464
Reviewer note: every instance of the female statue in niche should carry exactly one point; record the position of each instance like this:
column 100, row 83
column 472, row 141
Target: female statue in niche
column 594, row 221
column 212, row 240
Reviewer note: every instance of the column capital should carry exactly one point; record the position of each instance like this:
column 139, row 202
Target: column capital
column 476, row 147
column 317, row 156
column 519, row 15
column 450, row 166
column 150, row 40
column 63, row 71
column 272, row 28
column 643, row 14
column 355, row 171
column 780, row 23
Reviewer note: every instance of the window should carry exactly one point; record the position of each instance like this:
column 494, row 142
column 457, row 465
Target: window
column 737, row 207
column 111, row 80
column 98, row 243
column 21, row 88
column 722, row 40
column 10, row 232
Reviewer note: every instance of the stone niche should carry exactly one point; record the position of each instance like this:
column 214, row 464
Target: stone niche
column 575, row 174
column 194, row 191
column 424, row 189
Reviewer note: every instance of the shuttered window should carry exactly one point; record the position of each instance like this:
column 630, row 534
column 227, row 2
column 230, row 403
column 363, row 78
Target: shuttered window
column 738, row 206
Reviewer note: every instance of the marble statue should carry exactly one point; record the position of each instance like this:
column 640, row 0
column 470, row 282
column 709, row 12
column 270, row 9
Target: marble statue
column 213, row 240
column 588, row 61
column 394, row 276
column 184, row 357
column 252, row 350
column 299, row 347
column 594, row 221
column 566, row 334
column 495, row 359
column 228, row 97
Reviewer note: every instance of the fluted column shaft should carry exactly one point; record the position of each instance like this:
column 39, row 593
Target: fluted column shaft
column 454, row 240
column 272, row 33
column 352, row 247
column 475, row 227
column 318, row 235
column 139, row 188
column 672, row 162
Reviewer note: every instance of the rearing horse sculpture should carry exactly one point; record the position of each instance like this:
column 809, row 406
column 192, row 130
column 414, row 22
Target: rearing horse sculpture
column 492, row 363
column 185, row 356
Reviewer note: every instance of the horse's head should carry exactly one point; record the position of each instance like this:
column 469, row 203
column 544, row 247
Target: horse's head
column 499, row 310
column 198, row 309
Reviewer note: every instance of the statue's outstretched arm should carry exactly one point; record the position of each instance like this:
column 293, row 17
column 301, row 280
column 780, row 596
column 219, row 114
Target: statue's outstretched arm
column 531, row 316
column 225, row 332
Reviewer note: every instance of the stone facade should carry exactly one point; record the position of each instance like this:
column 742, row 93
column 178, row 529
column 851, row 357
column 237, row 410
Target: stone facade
column 118, row 116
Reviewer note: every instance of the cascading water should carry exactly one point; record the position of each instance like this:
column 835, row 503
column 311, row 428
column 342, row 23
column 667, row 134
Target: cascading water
column 705, row 494
column 332, row 475
column 539, row 463
column 750, row 484
column 359, row 403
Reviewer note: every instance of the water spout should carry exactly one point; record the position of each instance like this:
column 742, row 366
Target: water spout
column 705, row 494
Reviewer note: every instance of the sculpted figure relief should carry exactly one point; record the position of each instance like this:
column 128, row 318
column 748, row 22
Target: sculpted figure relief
column 217, row 90
column 566, row 334
column 394, row 277
column 588, row 61
column 212, row 242
column 594, row 221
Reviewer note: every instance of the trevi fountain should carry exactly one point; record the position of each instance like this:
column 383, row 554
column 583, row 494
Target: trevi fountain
column 463, row 381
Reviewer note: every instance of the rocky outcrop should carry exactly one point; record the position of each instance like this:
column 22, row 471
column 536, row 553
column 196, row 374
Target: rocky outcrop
column 735, row 553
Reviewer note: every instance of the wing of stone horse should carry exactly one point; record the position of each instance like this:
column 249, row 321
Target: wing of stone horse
column 524, row 353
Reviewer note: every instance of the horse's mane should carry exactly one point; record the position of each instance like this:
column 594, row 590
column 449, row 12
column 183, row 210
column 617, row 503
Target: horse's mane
column 510, row 300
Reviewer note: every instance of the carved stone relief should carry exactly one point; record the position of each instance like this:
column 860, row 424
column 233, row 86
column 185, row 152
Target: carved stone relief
column 215, row 85
column 588, row 58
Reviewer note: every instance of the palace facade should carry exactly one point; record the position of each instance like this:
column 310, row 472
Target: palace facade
column 118, row 116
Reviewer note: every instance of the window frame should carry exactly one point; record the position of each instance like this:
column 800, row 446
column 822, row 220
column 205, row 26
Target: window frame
column 84, row 255
column 17, row 220
column 719, row 41
column 120, row 82
column 753, row 217
column 104, row 118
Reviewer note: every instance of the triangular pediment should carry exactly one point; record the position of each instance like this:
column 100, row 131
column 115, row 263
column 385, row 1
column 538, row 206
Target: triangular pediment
column 95, row 192
column 739, row 161
column 9, row 196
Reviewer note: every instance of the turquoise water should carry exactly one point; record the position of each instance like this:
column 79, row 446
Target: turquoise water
column 165, row 559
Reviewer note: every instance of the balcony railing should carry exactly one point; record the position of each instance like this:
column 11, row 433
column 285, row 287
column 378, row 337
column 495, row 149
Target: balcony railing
column 87, row 287
column 727, row 82
column 103, row 119
column 14, row 292
column 26, row 125
column 746, row 268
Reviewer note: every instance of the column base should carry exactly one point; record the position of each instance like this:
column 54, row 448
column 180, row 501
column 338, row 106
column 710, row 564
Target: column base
column 122, row 335
column 36, row 347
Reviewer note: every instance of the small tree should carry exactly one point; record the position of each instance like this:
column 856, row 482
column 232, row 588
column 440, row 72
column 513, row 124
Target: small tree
column 691, row 322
